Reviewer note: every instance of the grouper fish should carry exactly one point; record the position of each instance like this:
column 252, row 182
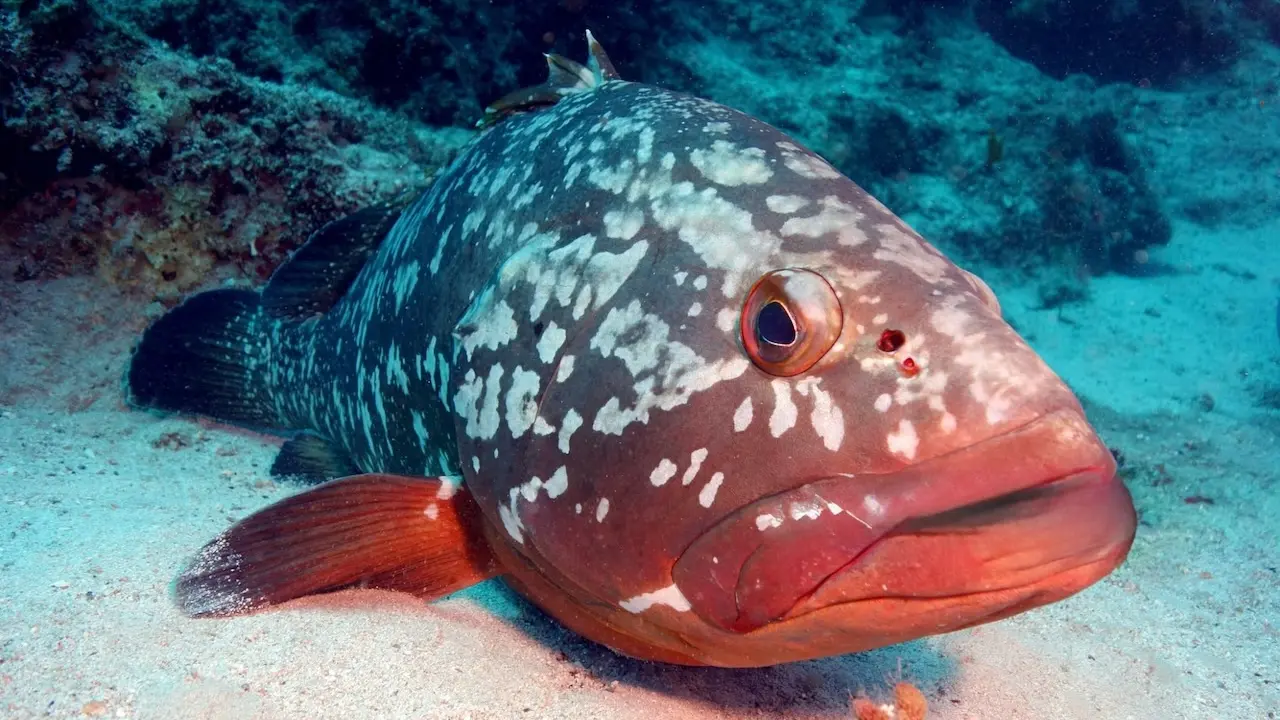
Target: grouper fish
column 677, row 380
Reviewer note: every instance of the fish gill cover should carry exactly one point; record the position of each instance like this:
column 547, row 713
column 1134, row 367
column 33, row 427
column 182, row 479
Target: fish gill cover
column 1110, row 166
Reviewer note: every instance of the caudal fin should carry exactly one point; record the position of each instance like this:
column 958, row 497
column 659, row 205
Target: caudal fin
column 412, row 534
column 206, row 357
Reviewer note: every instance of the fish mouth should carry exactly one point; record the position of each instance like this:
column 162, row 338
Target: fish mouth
column 1015, row 521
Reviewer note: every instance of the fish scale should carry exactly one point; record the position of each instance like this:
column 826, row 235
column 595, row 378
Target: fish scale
column 709, row 402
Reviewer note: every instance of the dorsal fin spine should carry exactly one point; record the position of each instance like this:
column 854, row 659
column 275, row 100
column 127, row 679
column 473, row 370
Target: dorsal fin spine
column 564, row 77
column 565, row 73
column 601, row 67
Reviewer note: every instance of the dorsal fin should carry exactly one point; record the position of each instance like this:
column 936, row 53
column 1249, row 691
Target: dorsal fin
column 563, row 73
column 564, row 77
column 318, row 274
column 600, row 65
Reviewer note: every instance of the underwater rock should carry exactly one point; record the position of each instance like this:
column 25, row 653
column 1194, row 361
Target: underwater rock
column 1145, row 40
column 152, row 168
column 209, row 156
column 433, row 61
column 437, row 62
column 1095, row 198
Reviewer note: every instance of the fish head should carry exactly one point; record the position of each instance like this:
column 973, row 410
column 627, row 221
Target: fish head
column 947, row 477
column 767, row 421
column 919, row 468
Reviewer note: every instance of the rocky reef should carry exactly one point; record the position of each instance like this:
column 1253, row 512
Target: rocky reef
column 123, row 157
column 164, row 141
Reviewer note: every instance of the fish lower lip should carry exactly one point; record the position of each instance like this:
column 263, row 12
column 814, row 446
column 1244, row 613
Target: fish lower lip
column 765, row 559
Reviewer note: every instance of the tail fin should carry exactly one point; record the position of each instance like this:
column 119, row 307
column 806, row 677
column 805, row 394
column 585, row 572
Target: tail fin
column 208, row 356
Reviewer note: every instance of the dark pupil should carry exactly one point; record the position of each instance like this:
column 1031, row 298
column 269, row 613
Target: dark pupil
column 774, row 326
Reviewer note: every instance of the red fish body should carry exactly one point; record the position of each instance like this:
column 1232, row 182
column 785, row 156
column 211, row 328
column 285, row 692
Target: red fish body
column 679, row 381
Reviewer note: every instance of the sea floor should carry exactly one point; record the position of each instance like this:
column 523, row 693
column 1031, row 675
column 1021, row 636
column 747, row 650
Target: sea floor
column 100, row 505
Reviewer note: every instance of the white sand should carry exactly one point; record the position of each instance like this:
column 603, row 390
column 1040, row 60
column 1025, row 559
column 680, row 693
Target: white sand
column 96, row 519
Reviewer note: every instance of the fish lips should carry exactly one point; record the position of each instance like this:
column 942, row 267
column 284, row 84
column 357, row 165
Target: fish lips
column 1015, row 521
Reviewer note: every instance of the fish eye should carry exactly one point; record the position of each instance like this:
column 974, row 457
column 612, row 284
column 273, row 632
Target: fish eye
column 790, row 320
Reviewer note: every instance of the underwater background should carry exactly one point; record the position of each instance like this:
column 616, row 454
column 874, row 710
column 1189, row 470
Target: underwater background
column 1111, row 169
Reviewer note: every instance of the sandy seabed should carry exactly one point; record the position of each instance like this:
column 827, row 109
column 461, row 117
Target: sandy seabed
column 100, row 505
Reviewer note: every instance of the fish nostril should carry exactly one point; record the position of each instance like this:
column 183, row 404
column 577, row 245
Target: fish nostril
column 891, row 341
column 910, row 368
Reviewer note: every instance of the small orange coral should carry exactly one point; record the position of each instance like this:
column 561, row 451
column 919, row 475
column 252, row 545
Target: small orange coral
column 910, row 701
column 864, row 709
column 908, row 704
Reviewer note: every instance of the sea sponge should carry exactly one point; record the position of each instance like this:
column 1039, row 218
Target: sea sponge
column 909, row 701
column 908, row 704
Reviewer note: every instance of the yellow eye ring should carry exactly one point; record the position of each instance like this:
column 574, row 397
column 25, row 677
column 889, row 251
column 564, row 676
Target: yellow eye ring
column 790, row 319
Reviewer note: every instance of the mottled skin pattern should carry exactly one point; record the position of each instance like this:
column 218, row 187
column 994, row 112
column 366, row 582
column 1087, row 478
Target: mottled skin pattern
column 557, row 321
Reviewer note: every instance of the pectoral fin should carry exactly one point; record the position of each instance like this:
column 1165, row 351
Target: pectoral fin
column 416, row 535
column 313, row 460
